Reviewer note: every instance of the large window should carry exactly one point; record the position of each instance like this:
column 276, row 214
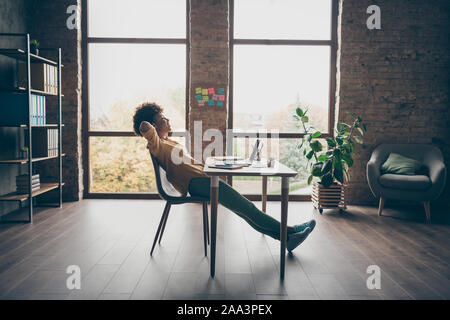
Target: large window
column 136, row 51
column 283, row 57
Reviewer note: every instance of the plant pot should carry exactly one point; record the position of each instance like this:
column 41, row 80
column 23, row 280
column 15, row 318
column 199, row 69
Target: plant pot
column 328, row 198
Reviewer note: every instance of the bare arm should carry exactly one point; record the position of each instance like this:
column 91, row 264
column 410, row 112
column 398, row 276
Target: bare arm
column 149, row 133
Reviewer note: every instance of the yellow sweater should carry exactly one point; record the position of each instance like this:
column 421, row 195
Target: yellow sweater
column 180, row 167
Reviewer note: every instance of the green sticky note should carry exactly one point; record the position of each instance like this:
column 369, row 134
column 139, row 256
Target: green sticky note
column 220, row 103
column 221, row 91
column 198, row 97
column 210, row 102
column 198, row 90
column 205, row 98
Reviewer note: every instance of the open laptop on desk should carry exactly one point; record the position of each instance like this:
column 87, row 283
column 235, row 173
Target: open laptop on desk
column 257, row 147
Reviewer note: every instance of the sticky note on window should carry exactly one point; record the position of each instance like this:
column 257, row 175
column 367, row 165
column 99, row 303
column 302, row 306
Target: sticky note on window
column 198, row 97
column 211, row 90
column 201, row 103
column 220, row 103
column 205, row 98
column 210, row 102
column 221, row 97
column 221, row 91
column 198, row 90
column 205, row 92
column 215, row 97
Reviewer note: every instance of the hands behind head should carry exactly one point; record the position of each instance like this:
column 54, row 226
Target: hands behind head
column 145, row 126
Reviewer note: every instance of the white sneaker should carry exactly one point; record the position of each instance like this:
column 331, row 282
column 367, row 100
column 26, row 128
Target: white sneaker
column 295, row 239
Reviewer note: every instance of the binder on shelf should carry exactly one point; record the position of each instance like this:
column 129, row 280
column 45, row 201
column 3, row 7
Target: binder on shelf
column 45, row 142
column 43, row 77
column 15, row 109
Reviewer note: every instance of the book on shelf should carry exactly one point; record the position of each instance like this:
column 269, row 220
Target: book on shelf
column 25, row 177
column 22, row 183
column 25, row 184
column 15, row 109
column 25, row 190
column 45, row 142
column 43, row 77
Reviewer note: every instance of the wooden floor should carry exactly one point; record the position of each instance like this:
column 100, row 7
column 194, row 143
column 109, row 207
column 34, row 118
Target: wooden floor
column 110, row 241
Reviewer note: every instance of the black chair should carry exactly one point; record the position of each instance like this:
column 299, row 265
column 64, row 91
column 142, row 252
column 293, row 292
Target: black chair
column 172, row 196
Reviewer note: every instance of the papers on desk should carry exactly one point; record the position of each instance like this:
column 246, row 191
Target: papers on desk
column 227, row 158
column 236, row 163
column 226, row 166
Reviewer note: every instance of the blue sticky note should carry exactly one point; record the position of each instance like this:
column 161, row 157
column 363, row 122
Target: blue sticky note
column 221, row 91
column 210, row 102
column 198, row 97
column 220, row 103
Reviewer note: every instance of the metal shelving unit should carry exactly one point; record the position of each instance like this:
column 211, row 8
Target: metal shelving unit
column 26, row 56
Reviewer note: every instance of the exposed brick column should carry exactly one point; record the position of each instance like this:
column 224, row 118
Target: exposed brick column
column 396, row 78
column 48, row 26
column 209, row 63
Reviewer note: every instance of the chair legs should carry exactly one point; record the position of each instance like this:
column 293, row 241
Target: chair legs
column 381, row 205
column 161, row 222
column 426, row 204
column 164, row 224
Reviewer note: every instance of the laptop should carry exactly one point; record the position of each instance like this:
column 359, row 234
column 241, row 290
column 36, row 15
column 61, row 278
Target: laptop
column 257, row 147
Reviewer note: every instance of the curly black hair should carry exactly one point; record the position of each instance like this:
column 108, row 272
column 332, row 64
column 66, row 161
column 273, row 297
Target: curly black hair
column 145, row 112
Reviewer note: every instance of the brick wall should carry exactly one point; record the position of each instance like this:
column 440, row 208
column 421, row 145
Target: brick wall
column 396, row 78
column 209, row 63
column 48, row 25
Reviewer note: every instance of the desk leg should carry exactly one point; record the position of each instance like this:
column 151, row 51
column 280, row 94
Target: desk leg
column 214, row 198
column 264, row 193
column 283, row 225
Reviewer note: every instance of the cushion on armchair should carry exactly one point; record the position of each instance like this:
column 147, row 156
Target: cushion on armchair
column 405, row 182
column 398, row 164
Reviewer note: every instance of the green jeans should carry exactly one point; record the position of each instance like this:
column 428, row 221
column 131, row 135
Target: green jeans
column 233, row 200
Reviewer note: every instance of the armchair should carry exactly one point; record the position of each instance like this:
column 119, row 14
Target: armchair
column 424, row 187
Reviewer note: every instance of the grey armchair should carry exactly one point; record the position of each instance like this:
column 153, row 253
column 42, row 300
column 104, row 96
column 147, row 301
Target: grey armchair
column 424, row 187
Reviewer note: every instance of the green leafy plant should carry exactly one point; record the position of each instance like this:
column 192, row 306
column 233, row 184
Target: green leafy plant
column 34, row 46
column 330, row 163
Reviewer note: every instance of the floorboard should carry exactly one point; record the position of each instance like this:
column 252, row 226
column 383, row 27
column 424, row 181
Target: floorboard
column 110, row 240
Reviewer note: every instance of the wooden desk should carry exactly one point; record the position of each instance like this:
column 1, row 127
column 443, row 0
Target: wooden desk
column 277, row 170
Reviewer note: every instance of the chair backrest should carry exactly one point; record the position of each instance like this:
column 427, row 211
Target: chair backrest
column 411, row 150
column 165, row 189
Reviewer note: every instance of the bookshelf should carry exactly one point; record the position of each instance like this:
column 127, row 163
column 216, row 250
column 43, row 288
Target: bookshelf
column 27, row 94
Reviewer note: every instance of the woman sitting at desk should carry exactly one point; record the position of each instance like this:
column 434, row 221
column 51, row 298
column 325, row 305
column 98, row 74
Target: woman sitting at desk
column 150, row 123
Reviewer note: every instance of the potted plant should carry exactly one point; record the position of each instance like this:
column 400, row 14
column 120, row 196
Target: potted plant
column 329, row 164
column 34, row 47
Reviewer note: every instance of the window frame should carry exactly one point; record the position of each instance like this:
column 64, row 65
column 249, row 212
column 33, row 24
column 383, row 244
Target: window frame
column 87, row 133
column 332, row 43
